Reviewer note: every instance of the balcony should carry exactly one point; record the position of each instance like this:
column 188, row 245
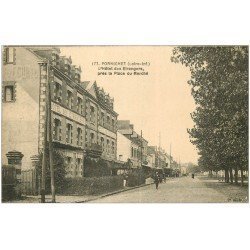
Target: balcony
column 94, row 150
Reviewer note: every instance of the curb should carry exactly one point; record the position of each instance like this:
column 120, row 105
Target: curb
column 112, row 193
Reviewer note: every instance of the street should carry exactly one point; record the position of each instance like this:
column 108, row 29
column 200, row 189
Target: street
column 184, row 189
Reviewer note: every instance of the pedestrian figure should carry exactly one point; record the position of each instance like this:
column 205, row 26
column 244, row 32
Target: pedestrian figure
column 157, row 180
column 125, row 180
column 164, row 177
column 193, row 176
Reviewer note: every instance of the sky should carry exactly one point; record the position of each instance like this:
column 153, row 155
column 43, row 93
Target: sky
column 159, row 103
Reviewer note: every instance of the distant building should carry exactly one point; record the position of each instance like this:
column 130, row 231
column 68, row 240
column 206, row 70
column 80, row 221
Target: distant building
column 130, row 145
column 162, row 159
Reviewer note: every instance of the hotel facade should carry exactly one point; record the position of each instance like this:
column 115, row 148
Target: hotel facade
column 83, row 116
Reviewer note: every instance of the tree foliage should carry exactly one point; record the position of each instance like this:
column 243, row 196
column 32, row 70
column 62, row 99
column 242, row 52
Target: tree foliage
column 96, row 167
column 59, row 170
column 219, row 86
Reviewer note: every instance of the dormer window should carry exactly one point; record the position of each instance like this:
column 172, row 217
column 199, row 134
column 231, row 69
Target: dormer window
column 77, row 78
column 111, row 104
column 77, row 74
column 66, row 65
column 66, row 69
column 55, row 59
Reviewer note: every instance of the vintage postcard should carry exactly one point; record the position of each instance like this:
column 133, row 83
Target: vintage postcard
column 124, row 124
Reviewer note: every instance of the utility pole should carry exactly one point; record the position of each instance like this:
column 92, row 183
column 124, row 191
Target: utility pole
column 180, row 164
column 141, row 148
column 43, row 181
column 170, row 157
column 43, row 177
column 50, row 130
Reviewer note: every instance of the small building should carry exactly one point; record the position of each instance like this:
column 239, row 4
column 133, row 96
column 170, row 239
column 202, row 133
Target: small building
column 130, row 145
column 159, row 155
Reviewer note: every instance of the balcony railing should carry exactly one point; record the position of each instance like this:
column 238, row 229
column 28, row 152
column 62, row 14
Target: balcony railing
column 94, row 150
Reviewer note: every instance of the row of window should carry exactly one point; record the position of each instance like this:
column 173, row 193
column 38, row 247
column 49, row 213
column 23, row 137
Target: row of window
column 57, row 136
column 69, row 161
column 109, row 122
column 8, row 96
column 74, row 170
column 108, row 146
column 57, row 96
column 65, row 67
column 57, row 133
column 135, row 153
column 80, row 107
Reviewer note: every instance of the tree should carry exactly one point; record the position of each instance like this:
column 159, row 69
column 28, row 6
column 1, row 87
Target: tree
column 59, row 168
column 192, row 168
column 219, row 85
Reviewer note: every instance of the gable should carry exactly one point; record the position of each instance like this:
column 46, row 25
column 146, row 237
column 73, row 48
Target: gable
column 92, row 90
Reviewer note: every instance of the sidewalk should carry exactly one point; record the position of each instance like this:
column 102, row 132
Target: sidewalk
column 73, row 198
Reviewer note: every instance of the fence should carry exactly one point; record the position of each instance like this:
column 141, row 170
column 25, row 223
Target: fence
column 8, row 182
column 29, row 182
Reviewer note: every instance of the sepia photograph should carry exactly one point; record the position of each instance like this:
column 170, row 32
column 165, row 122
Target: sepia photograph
column 125, row 124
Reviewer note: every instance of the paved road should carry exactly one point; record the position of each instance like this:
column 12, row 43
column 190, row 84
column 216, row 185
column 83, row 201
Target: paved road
column 184, row 189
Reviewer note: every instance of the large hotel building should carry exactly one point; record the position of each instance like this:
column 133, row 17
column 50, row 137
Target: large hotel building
column 83, row 116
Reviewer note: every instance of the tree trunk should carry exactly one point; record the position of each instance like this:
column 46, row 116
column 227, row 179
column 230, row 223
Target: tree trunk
column 241, row 176
column 226, row 176
column 231, row 175
column 236, row 175
column 210, row 173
